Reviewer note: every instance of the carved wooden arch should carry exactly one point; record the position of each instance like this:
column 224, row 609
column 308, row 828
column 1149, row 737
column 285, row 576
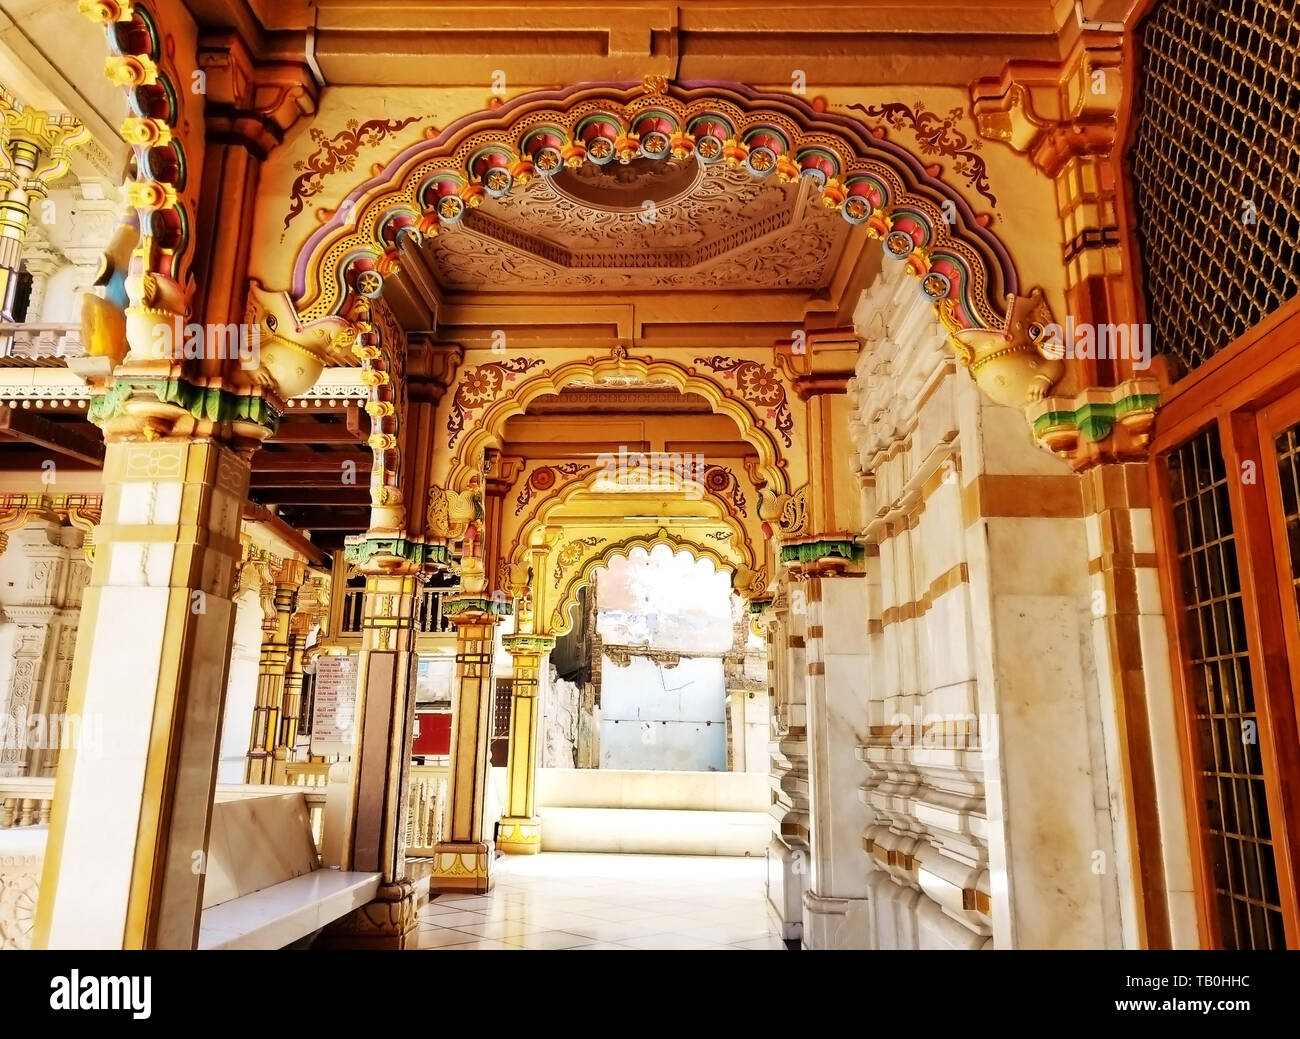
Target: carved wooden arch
column 489, row 424
column 560, row 620
column 965, row 270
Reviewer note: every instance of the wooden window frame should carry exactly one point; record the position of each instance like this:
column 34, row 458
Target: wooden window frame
column 1241, row 389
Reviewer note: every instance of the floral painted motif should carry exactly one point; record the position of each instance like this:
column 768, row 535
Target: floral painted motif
column 481, row 386
column 720, row 480
column 758, row 385
column 337, row 154
column 544, row 478
column 938, row 135
column 571, row 554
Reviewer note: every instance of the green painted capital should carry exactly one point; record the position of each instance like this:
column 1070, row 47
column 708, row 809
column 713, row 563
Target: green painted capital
column 453, row 606
column 528, row 643
column 210, row 403
column 360, row 549
column 811, row 551
column 1094, row 420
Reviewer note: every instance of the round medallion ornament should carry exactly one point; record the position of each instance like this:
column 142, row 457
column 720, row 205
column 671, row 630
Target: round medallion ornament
column 451, row 210
column 935, row 286
column 600, row 150
column 543, row 479
column 497, row 181
column 899, row 245
column 761, row 161
column 370, row 284
column 655, row 145
column 708, row 149
column 548, row 161
column 856, row 210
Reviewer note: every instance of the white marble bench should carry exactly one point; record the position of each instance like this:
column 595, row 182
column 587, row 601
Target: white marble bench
column 264, row 887
column 281, row 914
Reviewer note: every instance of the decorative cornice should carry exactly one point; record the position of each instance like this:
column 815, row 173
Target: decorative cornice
column 1055, row 111
column 250, row 102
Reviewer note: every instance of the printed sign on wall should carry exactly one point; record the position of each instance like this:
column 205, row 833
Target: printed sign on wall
column 334, row 714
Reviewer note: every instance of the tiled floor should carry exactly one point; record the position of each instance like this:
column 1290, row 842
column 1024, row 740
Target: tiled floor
column 569, row 901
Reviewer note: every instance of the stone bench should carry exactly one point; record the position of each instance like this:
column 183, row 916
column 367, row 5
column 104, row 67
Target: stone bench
column 264, row 887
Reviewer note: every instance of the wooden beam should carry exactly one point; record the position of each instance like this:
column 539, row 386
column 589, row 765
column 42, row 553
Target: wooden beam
column 330, row 478
column 59, row 437
column 328, row 496
column 310, row 461
column 255, row 513
column 316, row 433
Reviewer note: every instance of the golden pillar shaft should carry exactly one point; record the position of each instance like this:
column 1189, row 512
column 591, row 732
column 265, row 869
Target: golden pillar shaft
column 290, row 705
column 521, row 830
column 37, row 144
column 463, row 861
column 271, row 671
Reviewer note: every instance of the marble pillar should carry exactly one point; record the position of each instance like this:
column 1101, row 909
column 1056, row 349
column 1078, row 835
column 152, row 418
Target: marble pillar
column 835, row 909
column 241, row 686
column 124, row 863
column 787, row 855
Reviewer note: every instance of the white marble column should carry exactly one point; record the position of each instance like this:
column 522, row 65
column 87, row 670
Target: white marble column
column 787, row 855
column 241, row 687
column 835, row 911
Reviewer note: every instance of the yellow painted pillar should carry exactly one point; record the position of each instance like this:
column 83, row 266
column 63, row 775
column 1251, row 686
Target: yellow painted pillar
column 126, row 850
column 290, row 703
column 376, row 812
column 463, row 861
column 521, row 829
column 271, row 671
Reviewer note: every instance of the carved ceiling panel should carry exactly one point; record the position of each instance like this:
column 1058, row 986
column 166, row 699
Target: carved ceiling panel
column 646, row 225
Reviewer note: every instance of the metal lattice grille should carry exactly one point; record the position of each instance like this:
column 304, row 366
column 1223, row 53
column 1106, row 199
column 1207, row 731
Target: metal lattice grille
column 1216, row 168
column 1237, row 834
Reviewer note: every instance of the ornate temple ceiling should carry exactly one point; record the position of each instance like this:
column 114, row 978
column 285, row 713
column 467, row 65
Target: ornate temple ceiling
column 643, row 226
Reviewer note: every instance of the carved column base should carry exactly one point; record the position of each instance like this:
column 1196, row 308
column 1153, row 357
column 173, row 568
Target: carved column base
column 462, row 866
column 519, row 836
column 389, row 922
column 787, row 878
column 836, row 923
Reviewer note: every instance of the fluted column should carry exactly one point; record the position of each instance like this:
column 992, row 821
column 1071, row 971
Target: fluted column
column 521, row 830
